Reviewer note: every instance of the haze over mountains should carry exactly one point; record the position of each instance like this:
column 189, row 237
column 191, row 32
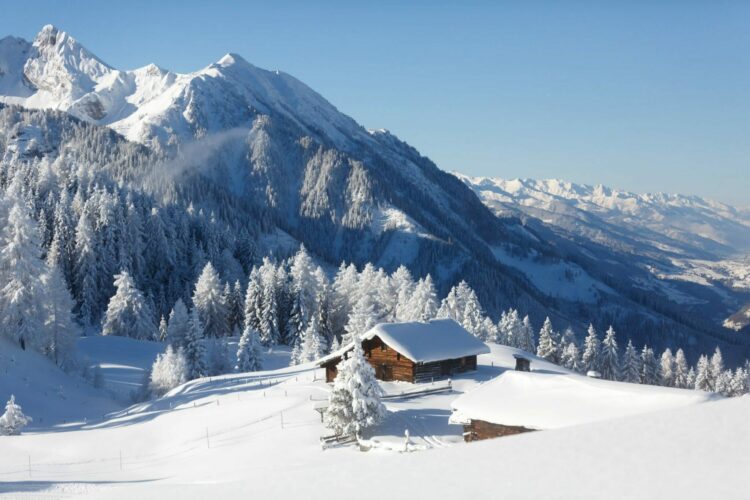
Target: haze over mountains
column 265, row 153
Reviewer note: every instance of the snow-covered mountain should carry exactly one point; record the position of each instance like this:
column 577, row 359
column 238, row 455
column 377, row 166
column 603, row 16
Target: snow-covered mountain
column 683, row 241
column 260, row 149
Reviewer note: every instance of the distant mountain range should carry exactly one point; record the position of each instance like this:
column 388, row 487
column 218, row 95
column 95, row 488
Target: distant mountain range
column 259, row 148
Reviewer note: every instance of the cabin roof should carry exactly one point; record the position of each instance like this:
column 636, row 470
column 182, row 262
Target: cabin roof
column 544, row 400
column 434, row 340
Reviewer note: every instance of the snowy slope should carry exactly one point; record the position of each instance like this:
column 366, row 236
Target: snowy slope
column 47, row 394
column 259, row 432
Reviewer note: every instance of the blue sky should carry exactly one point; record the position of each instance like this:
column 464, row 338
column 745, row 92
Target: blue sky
column 644, row 95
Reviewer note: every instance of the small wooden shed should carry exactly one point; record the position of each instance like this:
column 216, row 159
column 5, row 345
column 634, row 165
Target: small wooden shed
column 414, row 352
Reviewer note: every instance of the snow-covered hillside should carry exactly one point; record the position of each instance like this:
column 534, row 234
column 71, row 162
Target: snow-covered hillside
column 683, row 225
column 260, row 432
column 680, row 241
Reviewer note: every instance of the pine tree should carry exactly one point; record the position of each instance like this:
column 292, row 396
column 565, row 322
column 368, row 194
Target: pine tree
column 423, row 303
column 312, row 345
column 354, row 403
column 547, row 348
column 22, row 291
column 649, row 367
column 13, row 420
column 127, row 314
column 208, row 300
column 691, row 378
column 177, row 328
column 716, row 368
column 527, row 336
column 703, row 380
column 403, row 286
column 361, row 319
column 168, row 371
column 249, row 352
column 571, row 358
column 740, row 383
column 163, row 329
column 609, row 364
column 86, row 272
column 681, row 370
column 631, row 365
column 195, row 347
column 60, row 324
column 303, row 289
column 269, row 322
column 667, row 368
column 591, row 351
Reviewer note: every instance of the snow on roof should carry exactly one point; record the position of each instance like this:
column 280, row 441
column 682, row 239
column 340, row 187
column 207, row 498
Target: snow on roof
column 552, row 400
column 435, row 340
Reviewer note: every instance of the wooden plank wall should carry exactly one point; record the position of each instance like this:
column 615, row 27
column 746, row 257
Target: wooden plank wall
column 479, row 429
column 397, row 367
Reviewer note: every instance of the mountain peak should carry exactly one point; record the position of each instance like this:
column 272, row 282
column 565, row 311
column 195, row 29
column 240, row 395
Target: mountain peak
column 230, row 59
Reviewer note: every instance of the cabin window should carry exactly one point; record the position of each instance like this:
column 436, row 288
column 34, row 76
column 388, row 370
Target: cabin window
column 383, row 347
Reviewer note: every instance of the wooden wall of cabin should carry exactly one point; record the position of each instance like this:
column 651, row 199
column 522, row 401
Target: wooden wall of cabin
column 388, row 363
column 477, row 430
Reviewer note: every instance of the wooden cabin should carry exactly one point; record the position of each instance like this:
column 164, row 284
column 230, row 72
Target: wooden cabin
column 414, row 352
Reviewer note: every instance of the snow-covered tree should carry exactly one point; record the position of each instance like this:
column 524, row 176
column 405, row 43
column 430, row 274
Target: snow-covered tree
column 526, row 338
column 703, row 380
column 631, row 365
column 249, row 352
column 591, row 350
column 423, row 303
column 571, row 358
column 361, row 319
column 177, row 327
column 208, row 300
column 60, row 324
column 681, row 370
column 649, row 367
column 163, row 329
column 303, row 289
column 716, row 367
column 667, row 368
column 128, row 314
column 268, row 316
column 195, row 347
column 547, row 348
column 168, row 371
column 312, row 346
column 354, row 403
column 402, row 284
column 22, row 291
column 609, row 361
column 740, row 383
column 13, row 420
column 86, row 271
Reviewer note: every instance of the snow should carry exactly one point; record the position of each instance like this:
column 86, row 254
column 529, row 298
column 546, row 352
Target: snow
column 557, row 279
column 435, row 340
column 541, row 400
column 46, row 393
column 161, row 450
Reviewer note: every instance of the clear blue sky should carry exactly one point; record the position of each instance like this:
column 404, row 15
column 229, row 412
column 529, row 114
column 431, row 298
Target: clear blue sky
column 644, row 95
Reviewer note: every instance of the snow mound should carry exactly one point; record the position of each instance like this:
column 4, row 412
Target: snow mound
column 538, row 400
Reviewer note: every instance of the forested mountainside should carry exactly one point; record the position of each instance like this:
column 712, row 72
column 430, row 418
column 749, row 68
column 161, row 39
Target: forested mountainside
column 232, row 163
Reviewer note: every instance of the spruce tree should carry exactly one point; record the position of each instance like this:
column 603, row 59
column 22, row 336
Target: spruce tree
column 168, row 371
column 667, row 368
column 609, row 364
column 208, row 300
column 526, row 340
column 354, row 403
column 195, row 347
column 571, row 358
column 312, row 345
column 361, row 319
column 703, row 381
column 649, row 367
column 177, row 328
column 547, row 348
column 127, row 314
column 249, row 352
column 13, row 420
column 631, row 365
column 681, row 370
column 591, row 351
